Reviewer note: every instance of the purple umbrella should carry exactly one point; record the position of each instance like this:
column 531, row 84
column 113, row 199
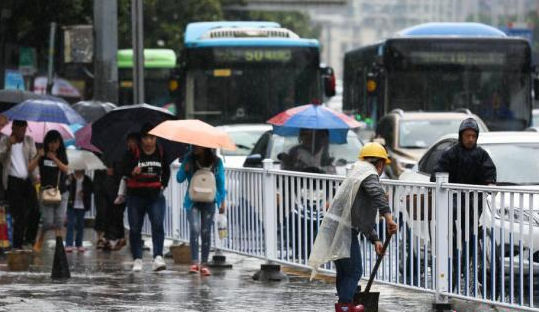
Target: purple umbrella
column 83, row 138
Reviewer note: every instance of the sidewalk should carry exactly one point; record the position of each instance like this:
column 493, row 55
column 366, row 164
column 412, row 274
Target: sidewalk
column 103, row 281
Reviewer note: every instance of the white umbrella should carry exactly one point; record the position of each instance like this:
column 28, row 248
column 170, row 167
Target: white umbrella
column 83, row 160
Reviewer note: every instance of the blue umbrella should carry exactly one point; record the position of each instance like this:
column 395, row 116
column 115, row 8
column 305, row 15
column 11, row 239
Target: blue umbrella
column 44, row 110
column 313, row 116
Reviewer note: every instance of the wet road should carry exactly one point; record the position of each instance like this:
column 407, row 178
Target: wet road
column 103, row 281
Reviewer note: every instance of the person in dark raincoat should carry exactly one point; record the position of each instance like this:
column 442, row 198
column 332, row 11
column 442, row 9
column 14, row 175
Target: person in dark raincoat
column 466, row 163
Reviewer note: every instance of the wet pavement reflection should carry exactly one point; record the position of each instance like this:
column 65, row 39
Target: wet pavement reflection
column 103, row 281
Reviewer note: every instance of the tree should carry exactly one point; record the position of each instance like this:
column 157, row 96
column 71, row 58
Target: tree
column 298, row 22
column 29, row 23
column 165, row 20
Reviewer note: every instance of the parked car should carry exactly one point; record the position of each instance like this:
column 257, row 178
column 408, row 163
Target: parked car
column 516, row 156
column 244, row 136
column 407, row 135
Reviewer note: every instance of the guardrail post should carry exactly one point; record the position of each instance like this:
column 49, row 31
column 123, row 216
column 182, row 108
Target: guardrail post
column 442, row 242
column 270, row 209
column 269, row 271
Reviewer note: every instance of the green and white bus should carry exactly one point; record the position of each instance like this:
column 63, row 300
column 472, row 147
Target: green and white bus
column 159, row 68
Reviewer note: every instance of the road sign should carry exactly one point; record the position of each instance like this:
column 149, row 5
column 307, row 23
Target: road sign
column 27, row 61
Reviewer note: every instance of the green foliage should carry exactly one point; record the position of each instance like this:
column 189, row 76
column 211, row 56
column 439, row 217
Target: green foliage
column 298, row 22
column 165, row 20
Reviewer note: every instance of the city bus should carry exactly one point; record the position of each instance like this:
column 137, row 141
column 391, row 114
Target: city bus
column 247, row 72
column 443, row 67
column 159, row 68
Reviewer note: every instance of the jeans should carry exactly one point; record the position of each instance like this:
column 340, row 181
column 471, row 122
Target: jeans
column 18, row 194
column 137, row 207
column 75, row 222
column 349, row 271
column 54, row 215
column 200, row 219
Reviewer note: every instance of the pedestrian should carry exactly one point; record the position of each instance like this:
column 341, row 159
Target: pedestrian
column 80, row 189
column 101, row 189
column 114, row 231
column 467, row 163
column 53, row 169
column 133, row 140
column 148, row 173
column 359, row 198
column 311, row 154
column 205, row 174
column 16, row 153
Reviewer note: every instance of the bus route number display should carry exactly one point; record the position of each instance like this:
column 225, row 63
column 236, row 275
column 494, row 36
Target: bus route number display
column 252, row 55
column 458, row 58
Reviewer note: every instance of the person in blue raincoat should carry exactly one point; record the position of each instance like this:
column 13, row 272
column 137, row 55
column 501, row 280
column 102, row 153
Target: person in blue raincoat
column 201, row 213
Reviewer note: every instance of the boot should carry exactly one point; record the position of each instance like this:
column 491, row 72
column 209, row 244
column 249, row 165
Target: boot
column 60, row 267
column 348, row 307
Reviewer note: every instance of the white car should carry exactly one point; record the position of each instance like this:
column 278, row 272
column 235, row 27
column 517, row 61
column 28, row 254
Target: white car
column 244, row 136
column 516, row 156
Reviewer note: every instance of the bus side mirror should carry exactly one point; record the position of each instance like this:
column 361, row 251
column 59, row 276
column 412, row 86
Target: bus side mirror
column 535, row 71
column 328, row 79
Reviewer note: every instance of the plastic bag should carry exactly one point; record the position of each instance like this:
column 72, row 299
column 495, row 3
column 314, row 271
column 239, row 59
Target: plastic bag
column 222, row 226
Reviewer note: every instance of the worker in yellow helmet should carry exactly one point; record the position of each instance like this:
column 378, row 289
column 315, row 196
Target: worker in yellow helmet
column 353, row 210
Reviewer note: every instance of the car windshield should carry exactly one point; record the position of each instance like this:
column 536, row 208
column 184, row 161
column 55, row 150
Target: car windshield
column 340, row 153
column 245, row 140
column 423, row 133
column 515, row 163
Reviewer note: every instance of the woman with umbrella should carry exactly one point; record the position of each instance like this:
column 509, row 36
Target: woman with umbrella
column 201, row 209
column 205, row 175
column 53, row 169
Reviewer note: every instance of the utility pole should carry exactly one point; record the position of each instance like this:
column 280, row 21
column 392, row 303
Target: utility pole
column 137, row 28
column 106, row 50
column 50, row 69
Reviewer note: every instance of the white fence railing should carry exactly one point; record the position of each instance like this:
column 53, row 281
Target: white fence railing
column 475, row 243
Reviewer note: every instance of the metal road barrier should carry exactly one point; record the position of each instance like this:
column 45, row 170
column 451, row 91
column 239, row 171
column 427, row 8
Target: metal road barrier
column 470, row 242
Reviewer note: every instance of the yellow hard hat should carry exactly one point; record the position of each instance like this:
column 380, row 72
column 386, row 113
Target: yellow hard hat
column 374, row 149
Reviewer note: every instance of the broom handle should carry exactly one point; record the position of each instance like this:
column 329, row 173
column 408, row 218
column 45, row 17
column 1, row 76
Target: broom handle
column 378, row 261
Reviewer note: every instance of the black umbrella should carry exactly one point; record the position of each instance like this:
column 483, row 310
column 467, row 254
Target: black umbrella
column 109, row 133
column 12, row 97
column 93, row 110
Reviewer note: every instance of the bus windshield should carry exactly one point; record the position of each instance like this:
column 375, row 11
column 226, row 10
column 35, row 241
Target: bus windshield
column 239, row 85
column 492, row 80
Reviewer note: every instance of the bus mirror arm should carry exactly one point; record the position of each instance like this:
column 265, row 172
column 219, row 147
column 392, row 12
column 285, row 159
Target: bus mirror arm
column 535, row 81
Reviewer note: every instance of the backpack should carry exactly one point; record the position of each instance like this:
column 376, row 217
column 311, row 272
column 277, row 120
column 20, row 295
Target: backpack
column 203, row 187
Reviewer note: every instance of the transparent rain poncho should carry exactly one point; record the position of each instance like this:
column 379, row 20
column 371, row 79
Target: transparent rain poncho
column 335, row 236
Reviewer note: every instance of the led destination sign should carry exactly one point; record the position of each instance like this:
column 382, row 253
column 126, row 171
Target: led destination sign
column 252, row 55
column 457, row 58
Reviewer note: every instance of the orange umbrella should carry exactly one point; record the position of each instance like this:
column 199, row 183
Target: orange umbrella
column 194, row 131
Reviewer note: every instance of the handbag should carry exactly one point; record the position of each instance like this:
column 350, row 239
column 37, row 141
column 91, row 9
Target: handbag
column 51, row 195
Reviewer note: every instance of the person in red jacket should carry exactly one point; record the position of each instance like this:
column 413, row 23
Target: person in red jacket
column 148, row 173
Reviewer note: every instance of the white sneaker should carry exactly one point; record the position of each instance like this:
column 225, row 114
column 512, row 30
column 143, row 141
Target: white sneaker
column 159, row 264
column 137, row 265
